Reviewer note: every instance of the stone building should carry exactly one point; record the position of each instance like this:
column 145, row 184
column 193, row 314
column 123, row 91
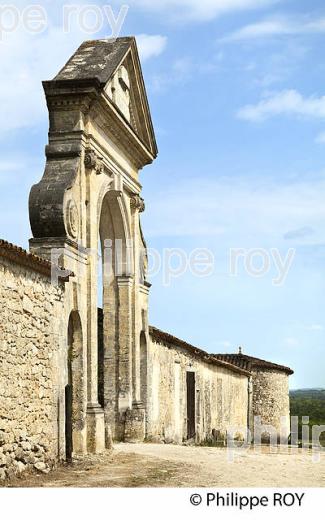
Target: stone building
column 268, row 394
column 74, row 377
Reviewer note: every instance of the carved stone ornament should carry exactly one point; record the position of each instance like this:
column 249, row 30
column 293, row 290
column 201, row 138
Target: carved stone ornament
column 93, row 162
column 72, row 219
column 138, row 203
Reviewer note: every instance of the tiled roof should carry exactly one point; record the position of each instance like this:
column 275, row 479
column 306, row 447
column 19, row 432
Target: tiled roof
column 24, row 258
column 168, row 339
column 250, row 362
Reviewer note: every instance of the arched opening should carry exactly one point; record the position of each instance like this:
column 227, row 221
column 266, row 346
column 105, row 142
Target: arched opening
column 74, row 389
column 143, row 368
column 68, row 415
column 100, row 324
column 114, row 233
column 99, row 274
column 115, row 247
column 101, row 357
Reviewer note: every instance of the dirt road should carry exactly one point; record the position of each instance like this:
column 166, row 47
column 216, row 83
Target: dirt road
column 159, row 465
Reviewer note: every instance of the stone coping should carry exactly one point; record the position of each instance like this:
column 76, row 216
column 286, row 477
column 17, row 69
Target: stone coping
column 22, row 257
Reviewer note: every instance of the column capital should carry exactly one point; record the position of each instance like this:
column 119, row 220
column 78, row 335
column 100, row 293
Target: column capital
column 137, row 203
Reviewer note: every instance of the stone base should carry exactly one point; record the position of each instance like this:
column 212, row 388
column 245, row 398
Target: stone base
column 79, row 442
column 95, row 429
column 135, row 424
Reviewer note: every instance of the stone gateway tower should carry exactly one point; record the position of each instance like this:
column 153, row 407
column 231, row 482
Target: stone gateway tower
column 75, row 377
column 100, row 136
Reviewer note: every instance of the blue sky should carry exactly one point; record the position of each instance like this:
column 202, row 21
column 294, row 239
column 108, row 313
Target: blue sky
column 237, row 97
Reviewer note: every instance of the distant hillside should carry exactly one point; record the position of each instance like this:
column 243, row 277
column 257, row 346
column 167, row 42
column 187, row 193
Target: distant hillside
column 309, row 402
column 314, row 393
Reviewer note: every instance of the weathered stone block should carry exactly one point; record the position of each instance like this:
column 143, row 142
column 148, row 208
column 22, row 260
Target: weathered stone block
column 135, row 424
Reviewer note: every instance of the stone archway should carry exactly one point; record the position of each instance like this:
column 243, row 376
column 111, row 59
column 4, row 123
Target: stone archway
column 117, row 275
column 74, row 388
column 98, row 143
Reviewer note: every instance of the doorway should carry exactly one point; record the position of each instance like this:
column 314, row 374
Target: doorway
column 190, row 385
column 74, row 394
column 68, row 423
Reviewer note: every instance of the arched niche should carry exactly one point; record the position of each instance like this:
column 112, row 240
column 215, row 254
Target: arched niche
column 75, row 398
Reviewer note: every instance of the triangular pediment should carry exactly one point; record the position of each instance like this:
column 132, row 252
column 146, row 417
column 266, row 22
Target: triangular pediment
column 115, row 65
column 126, row 89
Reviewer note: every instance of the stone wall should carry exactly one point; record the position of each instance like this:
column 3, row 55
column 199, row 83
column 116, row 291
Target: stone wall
column 221, row 396
column 271, row 402
column 29, row 345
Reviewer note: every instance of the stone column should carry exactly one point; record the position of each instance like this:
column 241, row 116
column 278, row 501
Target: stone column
column 95, row 413
column 125, row 286
column 137, row 207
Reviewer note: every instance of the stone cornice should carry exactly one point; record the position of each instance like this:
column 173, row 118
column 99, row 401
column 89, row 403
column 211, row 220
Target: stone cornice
column 88, row 97
column 119, row 130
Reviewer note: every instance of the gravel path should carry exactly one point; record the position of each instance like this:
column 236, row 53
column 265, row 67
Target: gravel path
column 159, row 465
column 211, row 466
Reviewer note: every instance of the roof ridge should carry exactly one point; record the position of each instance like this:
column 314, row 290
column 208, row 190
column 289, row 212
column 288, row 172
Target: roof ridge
column 209, row 358
column 255, row 360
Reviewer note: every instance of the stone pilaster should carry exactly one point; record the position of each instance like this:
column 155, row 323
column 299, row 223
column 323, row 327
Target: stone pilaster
column 95, row 429
column 125, row 286
column 95, row 414
column 135, row 424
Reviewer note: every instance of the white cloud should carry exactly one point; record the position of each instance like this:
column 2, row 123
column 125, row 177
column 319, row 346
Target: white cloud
column 28, row 58
column 315, row 327
column 151, row 45
column 179, row 73
column 10, row 171
column 241, row 212
column 281, row 65
column 286, row 102
column 276, row 27
column 25, row 61
column 291, row 342
column 200, row 10
column 224, row 344
column 8, row 166
column 278, row 67
column 298, row 233
column 320, row 139
column 182, row 70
